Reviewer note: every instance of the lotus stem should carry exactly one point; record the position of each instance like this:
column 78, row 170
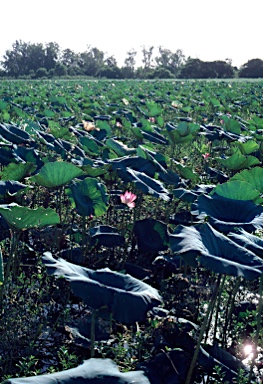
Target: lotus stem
column 15, row 236
column 202, row 330
column 231, row 301
column 258, row 328
column 92, row 333
column 217, row 306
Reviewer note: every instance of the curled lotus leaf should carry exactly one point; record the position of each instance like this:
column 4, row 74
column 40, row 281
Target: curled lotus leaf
column 228, row 214
column 97, row 371
column 215, row 251
column 127, row 298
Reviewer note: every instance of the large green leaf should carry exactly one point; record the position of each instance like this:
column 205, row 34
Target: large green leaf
column 127, row 299
column 55, row 174
column 228, row 214
column 185, row 195
column 186, row 172
column 16, row 135
column 106, row 235
column 153, row 109
column 119, row 148
column 137, row 163
column 99, row 371
column 238, row 161
column 151, row 235
column 148, row 185
column 18, row 171
column 248, row 147
column 22, row 218
column 249, row 241
column 10, row 187
column 252, row 176
column 182, row 133
column 238, row 190
column 90, row 197
column 89, row 145
column 215, row 251
column 232, row 125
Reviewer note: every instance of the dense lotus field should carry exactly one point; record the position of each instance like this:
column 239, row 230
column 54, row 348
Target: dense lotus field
column 131, row 219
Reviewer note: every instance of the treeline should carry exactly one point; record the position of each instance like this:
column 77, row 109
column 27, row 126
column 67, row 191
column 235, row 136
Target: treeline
column 35, row 61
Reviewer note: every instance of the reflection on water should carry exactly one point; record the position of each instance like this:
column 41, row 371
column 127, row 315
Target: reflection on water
column 248, row 351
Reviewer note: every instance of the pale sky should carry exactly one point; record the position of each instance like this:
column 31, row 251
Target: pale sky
column 204, row 29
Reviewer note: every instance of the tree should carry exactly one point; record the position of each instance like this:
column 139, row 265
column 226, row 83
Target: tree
column 92, row 61
column 162, row 73
column 26, row 58
column 17, row 61
column 129, row 64
column 198, row 69
column 41, row 72
column 52, row 52
column 147, row 59
column 60, row 69
column 110, row 62
column 253, row 69
column 222, row 69
column 169, row 60
column 71, row 61
column 110, row 68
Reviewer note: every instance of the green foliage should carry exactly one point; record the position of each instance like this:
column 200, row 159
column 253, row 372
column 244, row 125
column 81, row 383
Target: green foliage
column 127, row 299
column 22, row 218
column 237, row 190
column 53, row 175
column 168, row 142
column 89, row 196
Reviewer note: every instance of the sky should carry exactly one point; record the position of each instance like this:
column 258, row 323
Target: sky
column 205, row 29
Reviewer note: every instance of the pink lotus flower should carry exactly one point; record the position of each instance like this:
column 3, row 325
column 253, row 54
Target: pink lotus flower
column 206, row 156
column 152, row 119
column 128, row 199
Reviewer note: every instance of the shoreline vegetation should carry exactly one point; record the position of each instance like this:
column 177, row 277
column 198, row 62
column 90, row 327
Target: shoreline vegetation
column 39, row 61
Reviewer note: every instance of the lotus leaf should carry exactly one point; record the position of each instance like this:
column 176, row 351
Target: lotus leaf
column 237, row 190
column 6, row 154
column 106, row 235
column 22, row 218
column 89, row 196
column 10, row 187
column 169, row 177
column 186, row 172
column 30, row 155
column 249, row 241
column 16, row 135
column 248, row 147
column 17, row 171
column 148, row 166
column 227, row 214
column 119, row 148
column 252, row 176
column 215, row 251
column 127, row 298
column 93, row 371
column 148, row 185
column 53, row 175
column 185, row 195
column 155, row 137
column 232, row 125
column 151, row 235
column 238, row 161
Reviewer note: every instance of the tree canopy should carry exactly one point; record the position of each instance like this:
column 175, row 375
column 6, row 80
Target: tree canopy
column 37, row 60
